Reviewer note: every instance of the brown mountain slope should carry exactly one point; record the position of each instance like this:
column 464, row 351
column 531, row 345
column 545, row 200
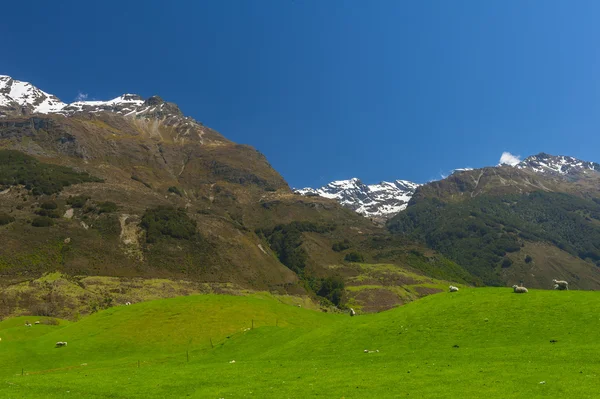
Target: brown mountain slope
column 225, row 192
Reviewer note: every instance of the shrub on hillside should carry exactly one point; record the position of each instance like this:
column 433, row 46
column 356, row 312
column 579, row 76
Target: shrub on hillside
column 78, row 201
column 354, row 257
column 49, row 205
column 506, row 263
column 528, row 259
column 51, row 213
column 332, row 288
column 341, row 246
column 286, row 241
column 106, row 207
column 165, row 221
column 42, row 221
column 175, row 190
column 17, row 168
column 5, row 218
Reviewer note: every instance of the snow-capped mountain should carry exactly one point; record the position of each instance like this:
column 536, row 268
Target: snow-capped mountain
column 385, row 199
column 23, row 98
column 557, row 164
column 374, row 200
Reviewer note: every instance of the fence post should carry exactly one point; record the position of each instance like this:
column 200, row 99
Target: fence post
column 211, row 344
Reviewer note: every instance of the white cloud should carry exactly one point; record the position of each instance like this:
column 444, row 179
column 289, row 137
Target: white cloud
column 509, row 159
column 81, row 96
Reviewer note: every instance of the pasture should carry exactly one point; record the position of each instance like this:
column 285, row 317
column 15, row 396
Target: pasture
column 484, row 342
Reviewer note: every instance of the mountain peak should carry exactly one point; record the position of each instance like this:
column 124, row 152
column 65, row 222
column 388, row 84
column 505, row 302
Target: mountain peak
column 557, row 164
column 23, row 98
column 382, row 200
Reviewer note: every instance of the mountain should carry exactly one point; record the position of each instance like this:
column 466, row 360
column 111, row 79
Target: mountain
column 561, row 165
column 384, row 200
column 531, row 222
column 18, row 97
column 381, row 200
column 102, row 201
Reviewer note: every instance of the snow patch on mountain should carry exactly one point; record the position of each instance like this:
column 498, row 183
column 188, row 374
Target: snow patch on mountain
column 17, row 95
column 374, row 200
column 557, row 164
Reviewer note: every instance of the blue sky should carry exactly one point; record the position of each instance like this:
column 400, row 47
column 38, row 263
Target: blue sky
column 333, row 89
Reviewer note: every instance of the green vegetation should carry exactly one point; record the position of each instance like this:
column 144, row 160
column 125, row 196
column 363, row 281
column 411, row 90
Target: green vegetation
column 49, row 205
column 175, row 190
column 106, row 207
column 484, row 342
column 42, row 221
column 5, row 219
column 77, row 201
column 354, row 257
column 166, row 221
column 528, row 259
column 51, row 213
column 341, row 246
column 479, row 232
column 41, row 178
column 286, row 241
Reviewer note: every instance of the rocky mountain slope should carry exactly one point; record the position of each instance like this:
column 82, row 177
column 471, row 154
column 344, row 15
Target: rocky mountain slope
column 131, row 189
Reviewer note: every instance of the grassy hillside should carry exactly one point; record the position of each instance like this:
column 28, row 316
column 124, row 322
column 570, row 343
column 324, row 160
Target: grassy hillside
column 483, row 232
column 485, row 342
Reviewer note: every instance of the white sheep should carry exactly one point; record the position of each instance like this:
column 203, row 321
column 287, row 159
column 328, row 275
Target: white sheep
column 519, row 290
column 560, row 285
column 352, row 312
column 37, row 322
column 453, row 288
column 27, row 324
column 61, row 343
column 127, row 303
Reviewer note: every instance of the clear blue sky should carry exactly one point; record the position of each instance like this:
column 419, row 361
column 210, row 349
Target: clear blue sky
column 333, row 89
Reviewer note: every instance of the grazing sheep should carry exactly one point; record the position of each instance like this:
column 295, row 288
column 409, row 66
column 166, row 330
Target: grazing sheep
column 127, row 303
column 37, row 322
column 352, row 312
column 61, row 343
column 453, row 288
column 27, row 324
column 560, row 285
column 519, row 290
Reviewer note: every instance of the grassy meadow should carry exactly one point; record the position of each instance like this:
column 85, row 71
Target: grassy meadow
column 484, row 342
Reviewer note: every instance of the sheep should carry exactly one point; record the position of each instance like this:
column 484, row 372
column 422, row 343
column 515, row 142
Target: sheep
column 27, row 324
column 37, row 322
column 453, row 288
column 560, row 285
column 352, row 312
column 61, row 343
column 519, row 290
column 127, row 303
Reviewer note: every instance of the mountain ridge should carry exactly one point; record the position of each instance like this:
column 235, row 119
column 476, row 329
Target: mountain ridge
column 385, row 200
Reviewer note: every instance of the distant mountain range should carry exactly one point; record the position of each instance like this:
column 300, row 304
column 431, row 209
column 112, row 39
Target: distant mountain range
column 387, row 199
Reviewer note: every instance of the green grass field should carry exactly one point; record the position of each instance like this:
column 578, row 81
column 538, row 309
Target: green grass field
column 477, row 343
